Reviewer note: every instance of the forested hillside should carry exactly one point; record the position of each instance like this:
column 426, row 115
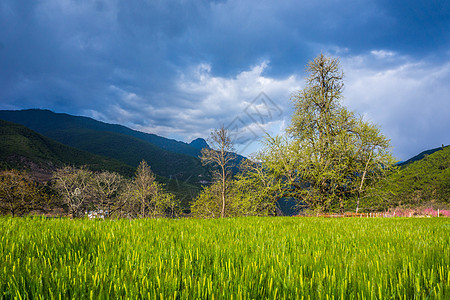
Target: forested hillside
column 48, row 123
column 422, row 182
column 22, row 148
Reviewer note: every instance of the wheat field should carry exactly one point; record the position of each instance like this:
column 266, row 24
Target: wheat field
column 242, row 258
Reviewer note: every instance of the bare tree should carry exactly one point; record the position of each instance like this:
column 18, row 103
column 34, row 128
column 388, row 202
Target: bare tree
column 220, row 155
column 108, row 187
column 75, row 188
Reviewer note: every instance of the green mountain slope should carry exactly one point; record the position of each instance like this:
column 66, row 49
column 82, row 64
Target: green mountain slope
column 21, row 147
column 420, row 182
column 46, row 121
column 115, row 141
column 419, row 156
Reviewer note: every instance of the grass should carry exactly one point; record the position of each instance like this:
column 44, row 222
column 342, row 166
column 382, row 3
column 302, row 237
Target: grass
column 243, row 258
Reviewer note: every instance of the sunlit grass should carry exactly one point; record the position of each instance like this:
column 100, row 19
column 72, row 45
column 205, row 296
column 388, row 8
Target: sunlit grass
column 244, row 258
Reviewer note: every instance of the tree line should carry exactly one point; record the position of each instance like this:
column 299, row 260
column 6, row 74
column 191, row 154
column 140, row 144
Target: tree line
column 79, row 191
column 328, row 159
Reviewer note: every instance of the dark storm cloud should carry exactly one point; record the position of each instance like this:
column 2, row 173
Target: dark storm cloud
column 179, row 68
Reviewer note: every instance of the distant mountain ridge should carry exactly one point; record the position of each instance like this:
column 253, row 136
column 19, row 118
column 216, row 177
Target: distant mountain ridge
column 115, row 141
column 20, row 148
column 44, row 121
column 421, row 155
column 199, row 144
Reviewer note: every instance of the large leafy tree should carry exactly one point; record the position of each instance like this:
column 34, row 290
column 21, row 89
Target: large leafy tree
column 328, row 155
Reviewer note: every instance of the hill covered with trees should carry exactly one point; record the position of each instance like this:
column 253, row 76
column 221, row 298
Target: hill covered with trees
column 22, row 148
column 423, row 182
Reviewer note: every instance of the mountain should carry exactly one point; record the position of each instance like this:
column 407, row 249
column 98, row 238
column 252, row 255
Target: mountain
column 420, row 156
column 199, row 144
column 47, row 122
column 424, row 181
column 21, row 148
column 168, row 158
column 24, row 149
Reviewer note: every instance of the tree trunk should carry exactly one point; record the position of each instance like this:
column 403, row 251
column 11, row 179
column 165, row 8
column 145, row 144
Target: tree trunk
column 357, row 202
column 223, row 192
column 362, row 182
column 142, row 208
column 341, row 205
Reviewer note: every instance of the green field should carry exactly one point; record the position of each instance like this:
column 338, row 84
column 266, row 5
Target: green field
column 244, row 258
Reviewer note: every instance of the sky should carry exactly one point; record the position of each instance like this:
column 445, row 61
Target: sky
column 181, row 68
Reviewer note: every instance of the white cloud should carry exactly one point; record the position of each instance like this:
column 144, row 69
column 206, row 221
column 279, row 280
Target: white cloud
column 201, row 101
column 407, row 98
column 219, row 100
column 382, row 54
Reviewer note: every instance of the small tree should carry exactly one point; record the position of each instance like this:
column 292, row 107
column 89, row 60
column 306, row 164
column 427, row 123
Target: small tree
column 144, row 197
column 220, row 155
column 208, row 203
column 144, row 190
column 18, row 193
column 75, row 187
column 250, row 193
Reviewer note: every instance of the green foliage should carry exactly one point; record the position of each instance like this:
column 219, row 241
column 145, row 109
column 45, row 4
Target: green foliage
column 146, row 198
column 208, row 203
column 184, row 192
column 422, row 182
column 253, row 191
column 239, row 258
column 249, row 193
